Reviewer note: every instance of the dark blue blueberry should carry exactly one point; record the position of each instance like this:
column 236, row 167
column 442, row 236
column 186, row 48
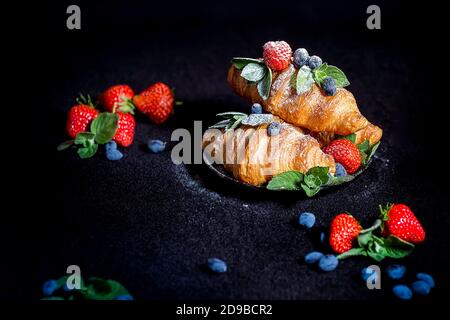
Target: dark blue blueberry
column 256, row 109
column 340, row 170
column 421, row 287
column 313, row 257
column 156, row 146
column 368, row 272
column 329, row 86
column 328, row 263
column 274, row 129
column 111, row 151
column 124, row 297
column 402, row 292
column 396, row 271
column 307, row 219
column 427, row 278
column 49, row 287
column 314, row 62
column 217, row 265
column 322, row 237
column 301, row 57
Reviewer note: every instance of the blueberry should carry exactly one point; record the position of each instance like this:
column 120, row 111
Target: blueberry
column 340, row 170
column 217, row 265
column 314, row 62
column 368, row 272
column 313, row 257
column 307, row 219
column 421, row 287
column 329, row 86
column 124, row 297
column 256, row 109
column 49, row 287
column 274, row 129
column 322, row 237
column 301, row 57
column 156, row 146
column 396, row 271
column 114, row 155
column 112, row 145
column 427, row 278
column 402, row 292
column 328, row 263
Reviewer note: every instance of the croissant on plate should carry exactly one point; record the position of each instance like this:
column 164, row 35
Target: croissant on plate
column 254, row 157
column 332, row 115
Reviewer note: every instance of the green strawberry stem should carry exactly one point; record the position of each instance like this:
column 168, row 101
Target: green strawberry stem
column 375, row 225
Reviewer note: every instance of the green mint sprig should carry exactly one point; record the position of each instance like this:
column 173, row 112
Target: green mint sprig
column 305, row 76
column 234, row 119
column 255, row 71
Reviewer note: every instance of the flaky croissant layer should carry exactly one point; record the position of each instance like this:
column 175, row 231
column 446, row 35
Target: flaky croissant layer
column 254, row 157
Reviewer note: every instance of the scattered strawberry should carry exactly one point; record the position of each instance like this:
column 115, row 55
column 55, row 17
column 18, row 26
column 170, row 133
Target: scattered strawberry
column 344, row 230
column 277, row 55
column 125, row 129
column 80, row 116
column 156, row 102
column 401, row 222
column 118, row 97
column 346, row 153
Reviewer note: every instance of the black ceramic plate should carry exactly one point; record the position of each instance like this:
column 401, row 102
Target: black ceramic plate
column 219, row 170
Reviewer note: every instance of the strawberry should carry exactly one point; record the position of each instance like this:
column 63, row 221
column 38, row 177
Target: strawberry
column 118, row 97
column 80, row 116
column 344, row 230
column 277, row 55
column 401, row 222
column 346, row 153
column 125, row 129
column 156, row 102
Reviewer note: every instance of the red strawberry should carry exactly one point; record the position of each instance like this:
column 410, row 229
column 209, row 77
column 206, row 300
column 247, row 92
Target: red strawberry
column 401, row 222
column 80, row 116
column 346, row 153
column 277, row 55
column 118, row 97
column 125, row 129
column 156, row 102
column 344, row 230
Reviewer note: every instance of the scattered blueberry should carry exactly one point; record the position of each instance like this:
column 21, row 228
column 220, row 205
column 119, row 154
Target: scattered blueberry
column 314, row 62
column 329, row 86
column 256, row 109
column 322, row 237
column 421, row 287
column 156, row 146
column 427, row 278
column 307, row 219
column 49, row 287
column 368, row 272
column 340, row 170
column 274, row 129
column 328, row 263
column 217, row 265
column 396, row 271
column 124, row 297
column 301, row 57
column 111, row 151
column 402, row 292
column 313, row 257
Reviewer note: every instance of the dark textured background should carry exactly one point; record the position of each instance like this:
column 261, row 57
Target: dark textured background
column 151, row 224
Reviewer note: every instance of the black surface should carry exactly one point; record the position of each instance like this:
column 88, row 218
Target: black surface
column 151, row 224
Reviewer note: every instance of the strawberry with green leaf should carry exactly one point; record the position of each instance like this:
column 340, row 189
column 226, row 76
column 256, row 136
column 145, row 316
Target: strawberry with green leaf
column 118, row 97
column 80, row 116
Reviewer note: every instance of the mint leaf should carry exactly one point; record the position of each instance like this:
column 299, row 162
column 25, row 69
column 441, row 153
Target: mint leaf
column 337, row 74
column 254, row 72
column 340, row 180
column 82, row 138
column 229, row 115
column 319, row 172
column 65, row 145
column 264, row 85
column 310, row 191
column 373, row 149
column 220, row 124
column 234, row 122
column 304, row 80
column 396, row 247
column 364, row 146
column 312, row 181
column 242, row 62
column 87, row 152
column 352, row 253
column 104, row 127
column 289, row 180
column 351, row 137
column 101, row 289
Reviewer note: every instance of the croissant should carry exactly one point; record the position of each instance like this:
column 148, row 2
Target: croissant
column 254, row 157
column 338, row 114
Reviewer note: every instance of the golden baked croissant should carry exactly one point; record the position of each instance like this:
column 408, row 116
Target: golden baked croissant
column 338, row 114
column 255, row 157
